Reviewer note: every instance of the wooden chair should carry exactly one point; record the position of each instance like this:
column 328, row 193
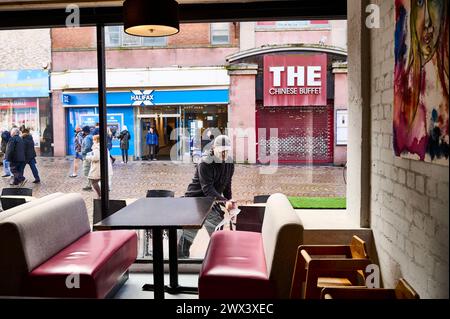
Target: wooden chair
column 320, row 266
column 402, row 291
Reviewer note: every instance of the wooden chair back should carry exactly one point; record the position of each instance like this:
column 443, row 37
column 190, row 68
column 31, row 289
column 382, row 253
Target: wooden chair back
column 358, row 248
column 330, row 269
column 404, row 291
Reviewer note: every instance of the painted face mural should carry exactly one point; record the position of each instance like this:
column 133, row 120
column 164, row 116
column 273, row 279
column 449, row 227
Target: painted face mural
column 427, row 17
column 421, row 80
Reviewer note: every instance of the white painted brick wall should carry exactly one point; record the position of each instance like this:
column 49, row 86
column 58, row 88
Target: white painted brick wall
column 409, row 202
column 25, row 49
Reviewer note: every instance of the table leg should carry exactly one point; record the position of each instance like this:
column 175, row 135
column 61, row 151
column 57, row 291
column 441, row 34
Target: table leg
column 158, row 264
column 173, row 258
column 174, row 287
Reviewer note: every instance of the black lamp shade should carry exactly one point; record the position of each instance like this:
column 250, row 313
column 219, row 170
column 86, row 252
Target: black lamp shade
column 147, row 18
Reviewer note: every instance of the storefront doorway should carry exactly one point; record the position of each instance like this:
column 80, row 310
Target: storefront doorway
column 164, row 125
column 197, row 119
column 182, row 127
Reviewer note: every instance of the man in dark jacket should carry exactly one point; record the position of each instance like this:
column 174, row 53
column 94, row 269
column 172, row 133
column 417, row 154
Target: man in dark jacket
column 124, row 138
column 212, row 178
column 5, row 138
column 30, row 155
column 15, row 154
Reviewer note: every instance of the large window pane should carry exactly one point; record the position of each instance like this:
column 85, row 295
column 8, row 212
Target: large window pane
column 112, row 36
column 220, row 33
column 130, row 40
column 154, row 41
column 116, row 37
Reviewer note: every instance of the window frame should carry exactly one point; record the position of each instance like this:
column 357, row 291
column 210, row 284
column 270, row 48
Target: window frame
column 211, row 31
column 122, row 36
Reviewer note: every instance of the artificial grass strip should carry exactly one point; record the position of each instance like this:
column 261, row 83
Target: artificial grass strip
column 318, row 202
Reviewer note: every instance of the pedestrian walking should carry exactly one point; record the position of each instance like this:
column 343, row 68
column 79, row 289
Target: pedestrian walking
column 152, row 143
column 86, row 147
column 109, row 139
column 5, row 138
column 15, row 154
column 96, row 129
column 30, row 155
column 95, row 168
column 78, row 140
column 124, row 138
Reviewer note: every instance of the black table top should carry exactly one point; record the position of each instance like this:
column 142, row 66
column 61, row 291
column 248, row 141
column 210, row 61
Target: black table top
column 163, row 212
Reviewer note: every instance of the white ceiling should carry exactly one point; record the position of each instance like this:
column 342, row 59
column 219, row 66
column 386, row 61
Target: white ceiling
column 56, row 4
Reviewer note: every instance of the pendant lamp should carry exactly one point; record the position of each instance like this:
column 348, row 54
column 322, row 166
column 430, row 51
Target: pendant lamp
column 156, row 18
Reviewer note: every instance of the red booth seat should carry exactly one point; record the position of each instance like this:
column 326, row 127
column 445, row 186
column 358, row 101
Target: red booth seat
column 249, row 265
column 235, row 266
column 47, row 249
column 94, row 262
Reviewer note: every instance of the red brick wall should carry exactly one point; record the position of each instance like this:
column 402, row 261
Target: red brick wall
column 74, row 49
column 79, row 38
column 190, row 35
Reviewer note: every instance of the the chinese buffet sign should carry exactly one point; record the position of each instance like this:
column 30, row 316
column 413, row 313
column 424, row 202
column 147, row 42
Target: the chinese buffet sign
column 295, row 80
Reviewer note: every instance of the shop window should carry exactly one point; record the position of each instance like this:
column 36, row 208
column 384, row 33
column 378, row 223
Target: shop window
column 116, row 37
column 220, row 33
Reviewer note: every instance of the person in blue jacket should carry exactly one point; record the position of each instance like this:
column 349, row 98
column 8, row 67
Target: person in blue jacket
column 152, row 143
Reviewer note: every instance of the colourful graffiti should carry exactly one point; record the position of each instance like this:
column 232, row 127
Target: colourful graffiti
column 421, row 81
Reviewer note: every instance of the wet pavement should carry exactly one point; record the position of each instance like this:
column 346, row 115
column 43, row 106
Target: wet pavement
column 132, row 180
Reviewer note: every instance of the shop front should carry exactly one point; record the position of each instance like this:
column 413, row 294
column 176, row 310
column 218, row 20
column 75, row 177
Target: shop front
column 24, row 102
column 294, row 106
column 182, row 126
column 295, row 103
column 178, row 117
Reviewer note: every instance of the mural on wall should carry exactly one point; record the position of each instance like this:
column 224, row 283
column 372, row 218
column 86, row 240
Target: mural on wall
column 421, row 82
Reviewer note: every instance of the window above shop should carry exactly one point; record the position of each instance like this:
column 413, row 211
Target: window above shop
column 116, row 37
column 295, row 25
column 220, row 33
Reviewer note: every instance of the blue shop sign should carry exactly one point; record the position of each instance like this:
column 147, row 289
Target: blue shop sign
column 142, row 97
column 148, row 98
column 24, row 83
